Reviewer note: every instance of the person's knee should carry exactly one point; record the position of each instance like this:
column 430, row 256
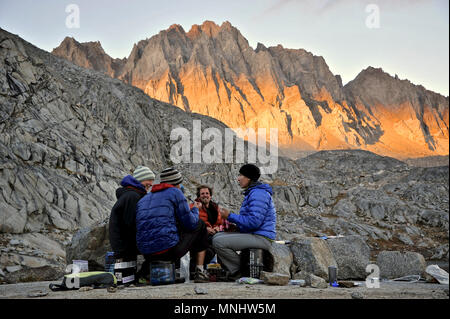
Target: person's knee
column 215, row 243
column 218, row 242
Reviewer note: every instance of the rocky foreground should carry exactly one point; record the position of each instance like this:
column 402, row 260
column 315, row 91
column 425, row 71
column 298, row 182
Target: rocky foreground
column 69, row 134
column 230, row 291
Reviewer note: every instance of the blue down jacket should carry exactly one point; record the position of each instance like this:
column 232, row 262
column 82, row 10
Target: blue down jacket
column 157, row 216
column 257, row 214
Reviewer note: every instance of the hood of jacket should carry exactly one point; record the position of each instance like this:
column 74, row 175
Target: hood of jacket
column 129, row 183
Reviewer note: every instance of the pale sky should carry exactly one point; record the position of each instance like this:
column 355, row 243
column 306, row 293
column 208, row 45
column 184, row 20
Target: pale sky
column 409, row 38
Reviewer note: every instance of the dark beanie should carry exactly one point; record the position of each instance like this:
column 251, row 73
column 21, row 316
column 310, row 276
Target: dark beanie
column 251, row 171
column 171, row 176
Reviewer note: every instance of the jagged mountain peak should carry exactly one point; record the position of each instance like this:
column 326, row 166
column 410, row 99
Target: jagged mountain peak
column 210, row 28
column 68, row 39
column 72, row 42
column 375, row 73
column 67, row 43
column 260, row 47
column 212, row 70
column 208, row 24
column 176, row 27
column 90, row 55
column 379, row 74
column 388, row 88
column 373, row 69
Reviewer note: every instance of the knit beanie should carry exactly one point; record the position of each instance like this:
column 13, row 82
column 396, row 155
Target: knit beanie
column 143, row 173
column 251, row 171
column 171, row 176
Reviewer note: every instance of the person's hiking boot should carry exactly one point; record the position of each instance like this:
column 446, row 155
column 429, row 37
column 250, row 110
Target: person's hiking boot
column 201, row 276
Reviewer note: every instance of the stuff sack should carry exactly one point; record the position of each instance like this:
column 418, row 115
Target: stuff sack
column 96, row 279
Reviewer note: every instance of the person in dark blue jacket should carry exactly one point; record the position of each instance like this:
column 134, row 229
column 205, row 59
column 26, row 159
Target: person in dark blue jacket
column 256, row 221
column 166, row 228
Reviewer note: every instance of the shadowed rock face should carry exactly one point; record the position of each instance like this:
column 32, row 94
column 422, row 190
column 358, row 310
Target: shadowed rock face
column 70, row 134
column 212, row 70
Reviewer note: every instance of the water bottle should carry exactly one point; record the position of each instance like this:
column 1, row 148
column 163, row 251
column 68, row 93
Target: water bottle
column 109, row 262
column 332, row 276
column 184, row 267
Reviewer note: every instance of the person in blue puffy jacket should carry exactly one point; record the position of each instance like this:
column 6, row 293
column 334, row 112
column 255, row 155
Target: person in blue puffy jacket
column 166, row 228
column 256, row 221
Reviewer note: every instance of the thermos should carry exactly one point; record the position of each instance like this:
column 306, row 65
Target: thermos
column 332, row 275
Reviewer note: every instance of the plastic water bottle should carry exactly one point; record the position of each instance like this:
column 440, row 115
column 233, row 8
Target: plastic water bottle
column 109, row 262
column 184, row 267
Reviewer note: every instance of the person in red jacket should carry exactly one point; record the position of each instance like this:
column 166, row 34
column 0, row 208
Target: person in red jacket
column 209, row 213
column 209, row 210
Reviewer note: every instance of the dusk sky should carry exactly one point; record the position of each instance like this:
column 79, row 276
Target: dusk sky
column 409, row 38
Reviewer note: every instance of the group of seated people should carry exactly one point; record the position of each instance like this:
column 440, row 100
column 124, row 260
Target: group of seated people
column 156, row 221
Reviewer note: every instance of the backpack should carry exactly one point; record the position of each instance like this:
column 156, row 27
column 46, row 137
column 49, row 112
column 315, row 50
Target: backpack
column 96, row 279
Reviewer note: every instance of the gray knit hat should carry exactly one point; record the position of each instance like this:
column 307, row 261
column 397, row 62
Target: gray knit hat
column 171, row 176
column 143, row 173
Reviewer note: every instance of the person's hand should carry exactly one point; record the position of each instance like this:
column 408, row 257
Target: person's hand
column 198, row 205
column 217, row 229
column 211, row 231
column 224, row 212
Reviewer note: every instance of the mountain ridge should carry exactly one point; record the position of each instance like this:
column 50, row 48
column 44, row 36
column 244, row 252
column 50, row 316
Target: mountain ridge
column 258, row 47
column 213, row 70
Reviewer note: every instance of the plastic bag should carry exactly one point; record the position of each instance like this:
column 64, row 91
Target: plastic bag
column 184, row 267
column 437, row 273
column 250, row 281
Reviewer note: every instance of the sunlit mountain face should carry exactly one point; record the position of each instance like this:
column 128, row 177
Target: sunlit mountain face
column 212, row 70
